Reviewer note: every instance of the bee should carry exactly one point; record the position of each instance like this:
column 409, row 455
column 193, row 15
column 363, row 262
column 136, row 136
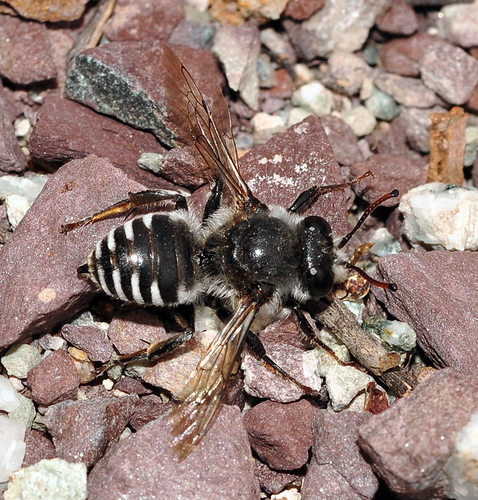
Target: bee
column 255, row 259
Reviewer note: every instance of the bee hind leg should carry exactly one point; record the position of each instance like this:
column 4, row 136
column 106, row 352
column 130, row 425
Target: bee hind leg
column 150, row 200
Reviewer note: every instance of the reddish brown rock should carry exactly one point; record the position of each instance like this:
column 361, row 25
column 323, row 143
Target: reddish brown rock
column 272, row 481
column 146, row 19
column 407, row 91
column 342, row 139
column 338, row 470
column 391, row 172
column 123, row 89
column 184, row 166
column 401, row 55
column 285, row 345
column 38, row 447
column 410, row 443
column 39, row 286
column 131, row 386
column 444, row 282
column 472, row 103
column 398, row 19
column 132, row 331
column 83, row 431
column 416, row 123
column 300, row 10
column 294, row 161
column 12, row 158
column 149, row 408
column 66, row 130
column 281, row 434
column 89, row 338
column 49, row 10
column 54, row 379
column 144, row 465
column 25, row 50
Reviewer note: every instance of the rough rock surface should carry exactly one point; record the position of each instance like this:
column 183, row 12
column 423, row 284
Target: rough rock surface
column 449, row 71
column 399, row 19
column 83, row 430
column 407, row 91
column 89, row 338
column 25, row 51
column 38, row 447
column 53, row 291
column 12, row 158
column 391, row 172
column 49, row 10
column 144, row 465
column 66, row 130
column 337, row 469
column 142, row 20
column 411, row 456
column 281, row 434
column 436, row 306
column 293, row 161
column 54, row 379
column 111, row 79
column 342, row 139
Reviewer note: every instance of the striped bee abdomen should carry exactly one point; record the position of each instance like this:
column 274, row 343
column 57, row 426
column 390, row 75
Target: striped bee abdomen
column 147, row 260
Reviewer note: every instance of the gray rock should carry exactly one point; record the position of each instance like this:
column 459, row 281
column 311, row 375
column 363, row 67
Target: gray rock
column 338, row 470
column 407, row 91
column 221, row 464
column 238, row 47
column 197, row 35
column 382, row 106
column 281, row 434
column 314, row 96
column 65, row 131
column 25, row 413
column 411, row 456
column 83, row 431
column 39, row 286
column 444, row 281
column 346, row 72
column 146, row 19
column 416, row 123
column 340, row 25
column 449, row 71
column 457, row 24
column 111, row 79
column 25, row 51
column 360, row 120
column 278, row 45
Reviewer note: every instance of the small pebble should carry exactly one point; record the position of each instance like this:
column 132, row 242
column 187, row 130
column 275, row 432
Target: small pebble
column 151, row 161
column 22, row 127
column 265, row 126
column 396, row 335
column 382, row 106
column 25, row 413
column 19, row 360
column 315, row 97
column 384, row 243
column 441, row 216
column 457, row 24
column 108, row 384
column 471, row 146
column 297, row 114
column 360, row 120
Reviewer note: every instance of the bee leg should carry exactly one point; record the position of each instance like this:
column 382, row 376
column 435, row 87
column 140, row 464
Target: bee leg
column 308, row 197
column 147, row 200
column 309, row 332
column 214, row 200
column 257, row 347
column 154, row 352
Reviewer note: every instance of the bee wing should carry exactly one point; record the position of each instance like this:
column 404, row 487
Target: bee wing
column 209, row 125
column 202, row 394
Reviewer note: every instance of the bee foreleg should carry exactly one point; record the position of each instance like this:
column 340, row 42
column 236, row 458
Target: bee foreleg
column 150, row 199
column 308, row 197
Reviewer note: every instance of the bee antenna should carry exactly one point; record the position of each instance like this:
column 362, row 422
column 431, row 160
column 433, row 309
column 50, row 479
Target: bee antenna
column 367, row 212
column 381, row 284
